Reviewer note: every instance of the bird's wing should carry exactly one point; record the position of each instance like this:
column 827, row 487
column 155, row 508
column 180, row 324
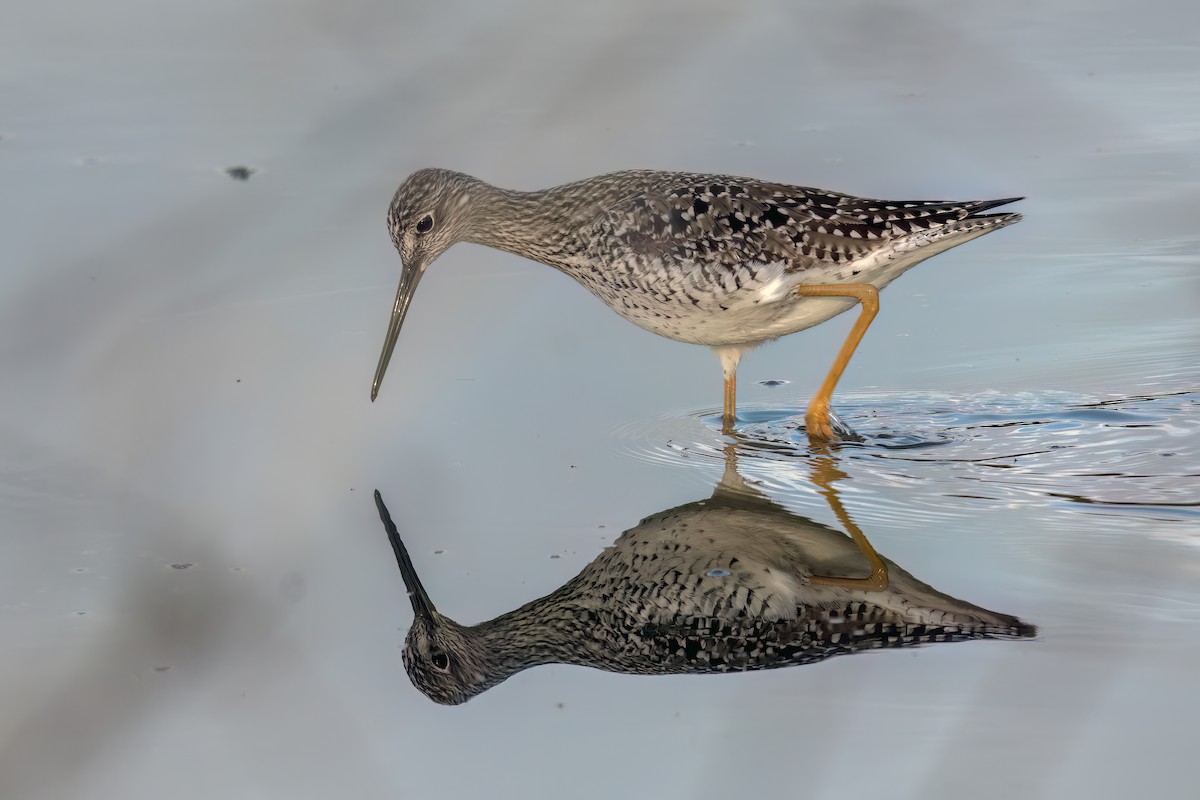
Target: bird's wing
column 732, row 221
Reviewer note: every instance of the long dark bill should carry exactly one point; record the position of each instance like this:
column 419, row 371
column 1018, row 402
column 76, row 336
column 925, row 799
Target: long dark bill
column 422, row 605
column 408, row 285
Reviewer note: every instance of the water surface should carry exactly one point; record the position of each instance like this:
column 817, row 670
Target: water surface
column 187, row 358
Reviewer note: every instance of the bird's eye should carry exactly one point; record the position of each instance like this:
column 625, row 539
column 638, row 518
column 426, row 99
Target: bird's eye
column 425, row 225
column 441, row 661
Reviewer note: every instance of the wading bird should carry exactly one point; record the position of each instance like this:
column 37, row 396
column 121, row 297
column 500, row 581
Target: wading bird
column 715, row 260
column 731, row 583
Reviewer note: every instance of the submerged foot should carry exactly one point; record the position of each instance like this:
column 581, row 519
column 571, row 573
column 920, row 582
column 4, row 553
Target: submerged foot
column 823, row 426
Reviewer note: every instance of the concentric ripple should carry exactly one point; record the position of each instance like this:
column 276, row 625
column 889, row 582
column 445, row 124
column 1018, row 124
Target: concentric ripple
column 934, row 455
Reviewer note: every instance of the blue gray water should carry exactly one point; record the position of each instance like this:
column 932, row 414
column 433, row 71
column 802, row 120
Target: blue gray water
column 196, row 598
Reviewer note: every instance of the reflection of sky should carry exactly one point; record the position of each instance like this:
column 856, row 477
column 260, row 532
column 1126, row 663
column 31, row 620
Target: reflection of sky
column 187, row 361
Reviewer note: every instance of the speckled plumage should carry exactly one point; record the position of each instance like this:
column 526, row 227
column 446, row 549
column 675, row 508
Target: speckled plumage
column 715, row 260
column 705, row 259
column 721, row 585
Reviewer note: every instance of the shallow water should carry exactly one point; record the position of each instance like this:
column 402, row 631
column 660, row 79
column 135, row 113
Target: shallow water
column 1119, row 456
column 196, row 596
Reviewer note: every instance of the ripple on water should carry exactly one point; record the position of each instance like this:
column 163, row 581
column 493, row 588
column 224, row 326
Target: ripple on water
column 1131, row 456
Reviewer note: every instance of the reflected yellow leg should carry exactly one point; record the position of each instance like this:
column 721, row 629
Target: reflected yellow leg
column 816, row 422
column 824, row 474
column 730, row 414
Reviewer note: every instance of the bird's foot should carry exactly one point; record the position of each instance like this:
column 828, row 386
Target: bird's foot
column 825, row 427
column 819, row 426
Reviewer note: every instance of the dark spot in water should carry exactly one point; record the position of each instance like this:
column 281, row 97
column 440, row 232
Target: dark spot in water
column 182, row 566
column 239, row 380
column 556, row 556
column 81, row 613
column 771, row 384
column 438, row 552
column 161, row 669
column 909, row 441
column 560, row 706
column 240, row 173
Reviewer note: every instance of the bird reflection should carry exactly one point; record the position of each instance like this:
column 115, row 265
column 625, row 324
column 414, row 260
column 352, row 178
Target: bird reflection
column 731, row 583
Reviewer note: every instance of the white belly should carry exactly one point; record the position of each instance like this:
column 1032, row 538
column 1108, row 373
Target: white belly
column 755, row 303
column 754, row 312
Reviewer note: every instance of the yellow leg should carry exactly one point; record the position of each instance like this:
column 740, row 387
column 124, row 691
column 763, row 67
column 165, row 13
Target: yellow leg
column 824, row 474
column 730, row 414
column 816, row 422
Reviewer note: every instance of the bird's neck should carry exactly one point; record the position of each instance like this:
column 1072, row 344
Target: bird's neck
column 542, row 226
column 544, row 631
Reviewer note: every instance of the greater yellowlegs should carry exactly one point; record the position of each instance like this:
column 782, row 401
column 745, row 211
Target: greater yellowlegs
column 731, row 583
column 708, row 259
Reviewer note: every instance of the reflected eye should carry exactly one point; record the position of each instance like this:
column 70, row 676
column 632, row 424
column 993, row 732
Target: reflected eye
column 425, row 225
column 440, row 661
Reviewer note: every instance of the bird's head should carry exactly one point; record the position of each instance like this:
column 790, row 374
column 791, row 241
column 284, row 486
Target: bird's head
column 441, row 658
column 448, row 662
column 429, row 213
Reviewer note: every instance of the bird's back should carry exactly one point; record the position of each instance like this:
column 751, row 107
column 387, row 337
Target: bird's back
column 713, row 259
column 724, row 586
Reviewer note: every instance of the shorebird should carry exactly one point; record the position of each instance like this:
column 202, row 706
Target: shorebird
column 727, row 584
column 715, row 260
